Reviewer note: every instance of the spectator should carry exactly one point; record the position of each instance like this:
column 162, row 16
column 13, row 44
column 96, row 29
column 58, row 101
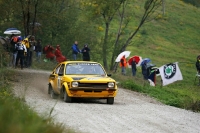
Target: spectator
column 21, row 49
column 133, row 66
column 123, row 65
column 38, row 50
column 58, row 54
column 50, row 53
column 145, row 70
column 32, row 43
column 85, row 51
column 198, row 64
column 75, row 50
column 27, row 44
column 13, row 51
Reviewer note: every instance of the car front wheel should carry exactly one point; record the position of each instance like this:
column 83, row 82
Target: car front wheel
column 66, row 97
column 110, row 100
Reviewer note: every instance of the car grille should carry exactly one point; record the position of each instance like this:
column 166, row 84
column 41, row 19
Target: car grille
column 94, row 85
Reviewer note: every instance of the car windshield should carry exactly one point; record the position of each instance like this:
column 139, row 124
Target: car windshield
column 84, row 69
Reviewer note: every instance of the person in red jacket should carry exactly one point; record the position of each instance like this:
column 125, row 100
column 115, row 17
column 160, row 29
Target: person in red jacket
column 123, row 65
column 49, row 53
column 58, row 54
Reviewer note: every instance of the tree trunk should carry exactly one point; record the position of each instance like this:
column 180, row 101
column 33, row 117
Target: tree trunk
column 163, row 7
column 105, row 47
column 113, row 65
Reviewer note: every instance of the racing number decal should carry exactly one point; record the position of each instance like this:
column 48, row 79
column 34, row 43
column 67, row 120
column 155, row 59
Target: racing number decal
column 94, row 78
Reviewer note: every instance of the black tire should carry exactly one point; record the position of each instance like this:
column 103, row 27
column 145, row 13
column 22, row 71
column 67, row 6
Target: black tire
column 49, row 89
column 67, row 99
column 62, row 93
column 52, row 93
column 110, row 100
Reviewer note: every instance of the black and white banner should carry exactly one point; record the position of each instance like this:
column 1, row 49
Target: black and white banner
column 170, row 73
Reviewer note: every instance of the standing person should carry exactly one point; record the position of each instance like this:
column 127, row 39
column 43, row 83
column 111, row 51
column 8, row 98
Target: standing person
column 21, row 49
column 133, row 66
column 145, row 70
column 85, row 51
column 58, row 54
column 198, row 64
column 26, row 59
column 32, row 43
column 123, row 65
column 38, row 50
column 75, row 50
column 13, row 51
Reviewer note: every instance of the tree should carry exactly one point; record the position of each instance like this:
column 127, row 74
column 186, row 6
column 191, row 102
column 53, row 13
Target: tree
column 149, row 9
column 106, row 10
column 29, row 15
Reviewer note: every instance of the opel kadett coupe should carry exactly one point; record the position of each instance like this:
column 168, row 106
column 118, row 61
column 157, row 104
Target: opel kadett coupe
column 81, row 79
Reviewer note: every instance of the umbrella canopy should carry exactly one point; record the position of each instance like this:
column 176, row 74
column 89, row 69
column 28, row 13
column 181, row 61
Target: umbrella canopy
column 147, row 60
column 10, row 31
column 138, row 60
column 125, row 53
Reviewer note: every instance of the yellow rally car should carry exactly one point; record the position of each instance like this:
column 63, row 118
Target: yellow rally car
column 81, row 79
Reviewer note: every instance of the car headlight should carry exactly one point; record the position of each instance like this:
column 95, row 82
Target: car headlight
column 111, row 84
column 74, row 84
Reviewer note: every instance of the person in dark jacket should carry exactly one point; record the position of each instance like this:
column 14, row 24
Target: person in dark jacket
column 145, row 70
column 85, row 51
column 198, row 64
column 133, row 66
column 13, row 51
column 75, row 50
column 38, row 50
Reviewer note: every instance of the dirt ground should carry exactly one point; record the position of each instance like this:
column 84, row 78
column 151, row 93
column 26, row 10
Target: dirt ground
column 131, row 113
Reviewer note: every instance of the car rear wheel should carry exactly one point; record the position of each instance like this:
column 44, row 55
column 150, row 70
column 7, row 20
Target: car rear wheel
column 49, row 89
column 110, row 100
column 67, row 99
column 52, row 94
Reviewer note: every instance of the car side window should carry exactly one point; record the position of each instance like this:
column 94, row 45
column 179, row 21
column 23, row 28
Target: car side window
column 61, row 70
column 57, row 69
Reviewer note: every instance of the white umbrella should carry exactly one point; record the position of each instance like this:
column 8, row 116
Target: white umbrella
column 125, row 53
column 9, row 32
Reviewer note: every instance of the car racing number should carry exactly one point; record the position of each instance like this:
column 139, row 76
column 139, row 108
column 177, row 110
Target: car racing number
column 93, row 78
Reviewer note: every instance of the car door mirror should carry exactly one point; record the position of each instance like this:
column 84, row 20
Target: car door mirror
column 109, row 75
column 60, row 74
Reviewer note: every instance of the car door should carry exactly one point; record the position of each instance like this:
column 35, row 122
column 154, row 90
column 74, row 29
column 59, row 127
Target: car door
column 60, row 76
column 54, row 78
